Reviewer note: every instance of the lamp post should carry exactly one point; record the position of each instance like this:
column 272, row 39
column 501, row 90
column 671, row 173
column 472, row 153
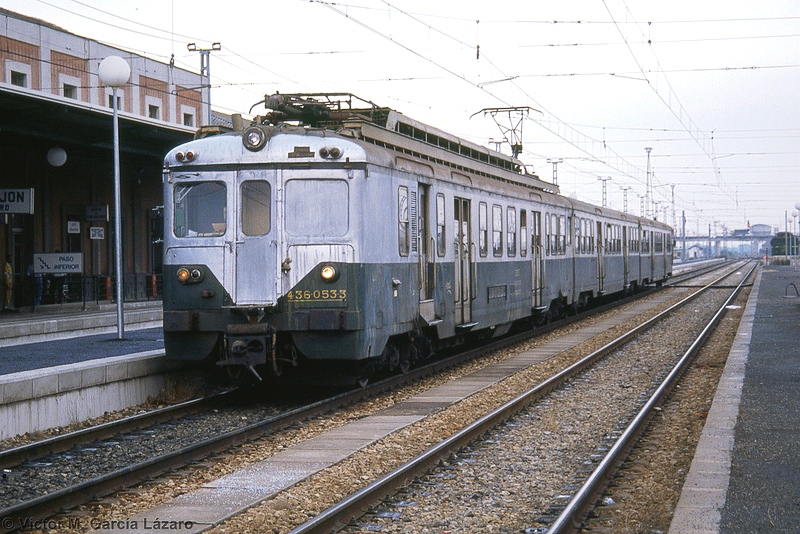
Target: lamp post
column 115, row 72
column 797, row 207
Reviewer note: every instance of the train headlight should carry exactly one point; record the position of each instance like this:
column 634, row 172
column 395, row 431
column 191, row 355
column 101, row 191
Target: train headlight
column 330, row 153
column 329, row 273
column 254, row 139
column 189, row 275
column 183, row 275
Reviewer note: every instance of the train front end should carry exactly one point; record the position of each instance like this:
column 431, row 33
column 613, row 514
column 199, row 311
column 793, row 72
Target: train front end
column 250, row 236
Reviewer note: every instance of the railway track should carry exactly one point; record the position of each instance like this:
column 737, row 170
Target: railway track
column 426, row 469
column 75, row 494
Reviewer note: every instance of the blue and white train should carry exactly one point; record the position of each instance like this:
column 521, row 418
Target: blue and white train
column 332, row 241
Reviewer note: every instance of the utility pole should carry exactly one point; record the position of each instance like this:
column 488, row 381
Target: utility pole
column 673, row 206
column 555, row 163
column 683, row 233
column 625, row 197
column 604, row 180
column 205, row 71
column 647, row 192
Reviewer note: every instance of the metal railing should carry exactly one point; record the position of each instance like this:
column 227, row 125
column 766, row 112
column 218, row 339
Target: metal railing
column 49, row 289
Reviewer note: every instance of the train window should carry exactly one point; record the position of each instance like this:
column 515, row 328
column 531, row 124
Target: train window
column 200, row 209
column 578, row 237
column 497, row 230
column 511, row 241
column 255, row 207
column 562, row 234
column 659, row 243
column 441, row 244
column 317, row 208
column 589, row 236
column 547, row 233
column 402, row 216
column 483, row 229
column 523, row 233
column 568, row 232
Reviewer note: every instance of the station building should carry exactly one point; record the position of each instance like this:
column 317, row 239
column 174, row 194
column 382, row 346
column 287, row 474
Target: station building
column 57, row 161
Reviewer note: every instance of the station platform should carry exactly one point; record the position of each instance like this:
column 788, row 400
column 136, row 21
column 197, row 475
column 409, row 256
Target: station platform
column 745, row 476
column 64, row 364
column 61, row 321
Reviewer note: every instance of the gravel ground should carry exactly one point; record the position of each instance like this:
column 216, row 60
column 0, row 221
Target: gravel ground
column 307, row 498
column 649, row 484
column 85, row 462
column 507, row 481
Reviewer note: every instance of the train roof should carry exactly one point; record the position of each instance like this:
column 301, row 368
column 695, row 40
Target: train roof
column 388, row 128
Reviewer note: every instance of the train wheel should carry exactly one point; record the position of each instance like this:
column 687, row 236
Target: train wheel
column 408, row 354
column 363, row 373
column 391, row 356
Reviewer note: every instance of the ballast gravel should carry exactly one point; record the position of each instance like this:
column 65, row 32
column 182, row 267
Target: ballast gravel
column 309, row 497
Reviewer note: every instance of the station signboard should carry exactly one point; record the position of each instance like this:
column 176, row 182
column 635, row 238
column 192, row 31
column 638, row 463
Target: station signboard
column 16, row 201
column 97, row 213
column 58, row 262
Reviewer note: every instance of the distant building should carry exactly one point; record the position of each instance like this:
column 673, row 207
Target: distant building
column 761, row 230
column 56, row 143
column 694, row 252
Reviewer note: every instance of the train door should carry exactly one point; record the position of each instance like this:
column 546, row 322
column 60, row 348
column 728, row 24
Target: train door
column 625, row 256
column 424, row 246
column 255, row 247
column 427, row 257
column 463, row 264
column 601, row 263
column 537, row 259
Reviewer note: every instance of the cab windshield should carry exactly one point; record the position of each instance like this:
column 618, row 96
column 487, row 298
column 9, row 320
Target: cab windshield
column 200, row 209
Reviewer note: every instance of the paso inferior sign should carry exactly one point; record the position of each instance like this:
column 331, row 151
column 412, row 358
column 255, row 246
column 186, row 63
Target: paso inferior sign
column 59, row 262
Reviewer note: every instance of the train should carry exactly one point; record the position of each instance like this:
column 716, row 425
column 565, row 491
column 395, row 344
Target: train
column 783, row 243
column 331, row 239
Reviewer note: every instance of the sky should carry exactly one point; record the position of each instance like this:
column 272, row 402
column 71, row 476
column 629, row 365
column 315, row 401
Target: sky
column 710, row 87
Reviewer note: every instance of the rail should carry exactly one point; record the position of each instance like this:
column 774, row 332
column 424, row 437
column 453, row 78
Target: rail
column 68, row 497
column 571, row 517
column 353, row 505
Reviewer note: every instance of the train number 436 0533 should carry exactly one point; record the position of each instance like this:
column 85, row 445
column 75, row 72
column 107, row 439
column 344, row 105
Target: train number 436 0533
column 315, row 295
